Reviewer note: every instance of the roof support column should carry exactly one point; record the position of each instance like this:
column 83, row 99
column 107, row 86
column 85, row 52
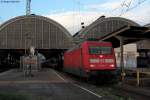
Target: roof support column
column 121, row 39
column 122, row 58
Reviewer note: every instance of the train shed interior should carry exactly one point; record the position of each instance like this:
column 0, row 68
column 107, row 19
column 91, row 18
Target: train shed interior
column 17, row 35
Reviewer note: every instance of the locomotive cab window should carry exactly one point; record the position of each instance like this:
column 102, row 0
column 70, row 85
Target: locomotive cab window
column 100, row 50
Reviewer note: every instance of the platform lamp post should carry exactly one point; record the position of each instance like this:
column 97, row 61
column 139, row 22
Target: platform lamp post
column 27, row 39
column 26, row 35
column 25, row 43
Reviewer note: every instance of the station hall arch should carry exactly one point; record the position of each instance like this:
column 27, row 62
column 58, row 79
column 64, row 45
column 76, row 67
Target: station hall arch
column 103, row 26
column 46, row 35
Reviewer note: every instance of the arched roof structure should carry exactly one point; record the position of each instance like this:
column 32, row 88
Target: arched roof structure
column 147, row 25
column 103, row 26
column 33, row 30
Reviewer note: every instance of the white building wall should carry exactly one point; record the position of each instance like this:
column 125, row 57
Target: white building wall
column 130, row 54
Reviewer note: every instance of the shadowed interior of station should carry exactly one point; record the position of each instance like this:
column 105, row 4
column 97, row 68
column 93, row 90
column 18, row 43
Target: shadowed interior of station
column 17, row 35
column 10, row 58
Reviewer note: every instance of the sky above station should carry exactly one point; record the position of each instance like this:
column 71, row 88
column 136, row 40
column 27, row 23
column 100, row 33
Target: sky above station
column 70, row 13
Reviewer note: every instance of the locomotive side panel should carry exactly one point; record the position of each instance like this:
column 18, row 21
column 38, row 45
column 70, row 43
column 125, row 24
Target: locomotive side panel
column 73, row 62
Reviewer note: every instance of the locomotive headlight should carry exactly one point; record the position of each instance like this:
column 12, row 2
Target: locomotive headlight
column 112, row 65
column 109, row 60
column 94, row 60
column 92, row 65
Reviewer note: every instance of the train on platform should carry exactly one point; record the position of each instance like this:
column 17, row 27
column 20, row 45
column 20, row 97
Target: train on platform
column 91, row 59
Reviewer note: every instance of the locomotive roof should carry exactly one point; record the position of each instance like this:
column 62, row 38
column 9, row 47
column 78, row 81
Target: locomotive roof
column 79, row 45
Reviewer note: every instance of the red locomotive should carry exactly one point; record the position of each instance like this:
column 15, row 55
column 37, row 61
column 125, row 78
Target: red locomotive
column 90, row 58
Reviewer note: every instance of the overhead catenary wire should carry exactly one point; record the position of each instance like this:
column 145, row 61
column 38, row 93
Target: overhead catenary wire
column 126, row 6
column 139, row 3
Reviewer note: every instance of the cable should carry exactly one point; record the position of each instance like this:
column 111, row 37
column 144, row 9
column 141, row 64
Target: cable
column 125, row 6
column 129, row 9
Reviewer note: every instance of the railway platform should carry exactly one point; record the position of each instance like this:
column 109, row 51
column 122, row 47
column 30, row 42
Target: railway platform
column 44, row 85
column 49, row 84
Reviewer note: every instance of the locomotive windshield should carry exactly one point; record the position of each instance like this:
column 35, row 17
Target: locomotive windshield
column 100, row 50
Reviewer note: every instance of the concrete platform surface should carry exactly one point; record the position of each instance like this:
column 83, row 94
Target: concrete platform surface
column 47, row 84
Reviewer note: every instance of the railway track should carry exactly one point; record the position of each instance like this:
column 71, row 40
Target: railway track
column 114, row 91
